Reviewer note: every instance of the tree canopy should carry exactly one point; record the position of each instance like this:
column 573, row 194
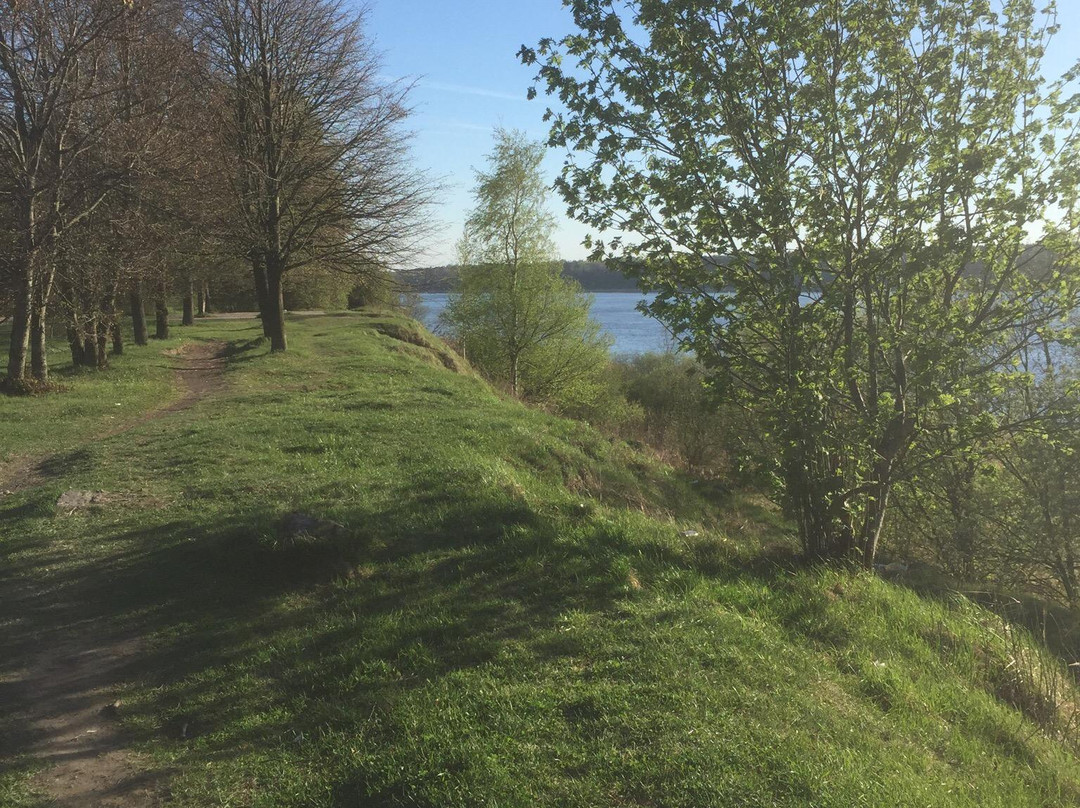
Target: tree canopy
column 312, row 143
column 516, row 316
column 833, row 203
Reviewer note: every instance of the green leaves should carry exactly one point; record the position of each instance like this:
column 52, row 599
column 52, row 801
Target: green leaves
column 515, row 316
column 868, row 173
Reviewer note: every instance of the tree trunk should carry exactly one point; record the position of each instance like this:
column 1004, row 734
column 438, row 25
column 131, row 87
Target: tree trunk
column 24, row 280
column 262, row 294
column 161, row 310
column 813, row 493
column 111, row 323
column 138, row 314
column 117, row 337
column 89, row 353
column 875, row 520
column 1065, row 572
column 189, row 304
column 102, row 344
column 204, row 298
column 39, row 359
column 275, row 308
column 20, row 326
column 961, row 496
column 75, row 344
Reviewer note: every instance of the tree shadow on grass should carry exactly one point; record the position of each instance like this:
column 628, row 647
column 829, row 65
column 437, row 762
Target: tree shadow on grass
column 63, row 464
column 326, row 632
column 244, row 350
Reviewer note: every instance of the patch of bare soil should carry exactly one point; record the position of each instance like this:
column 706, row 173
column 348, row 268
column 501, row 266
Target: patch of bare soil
column 64, row 696
column 67, row 705
column 200, row 368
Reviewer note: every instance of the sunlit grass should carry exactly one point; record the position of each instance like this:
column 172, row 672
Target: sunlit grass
column 88, row 402
column 495, row 606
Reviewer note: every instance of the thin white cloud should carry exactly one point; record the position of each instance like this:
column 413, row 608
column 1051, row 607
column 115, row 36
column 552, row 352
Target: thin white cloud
column 461, row 126
column 466, row 90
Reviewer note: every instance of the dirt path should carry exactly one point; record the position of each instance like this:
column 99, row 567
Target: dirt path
column 64, row 697
column 199, row 369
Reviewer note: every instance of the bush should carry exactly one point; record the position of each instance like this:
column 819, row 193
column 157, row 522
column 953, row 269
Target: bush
column 375, row 289
column 313, row 287
column 664, row 401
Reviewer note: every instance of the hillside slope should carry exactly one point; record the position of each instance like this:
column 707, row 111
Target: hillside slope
column 362, row 578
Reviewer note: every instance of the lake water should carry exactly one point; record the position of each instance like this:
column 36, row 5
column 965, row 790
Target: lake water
column 633, row 332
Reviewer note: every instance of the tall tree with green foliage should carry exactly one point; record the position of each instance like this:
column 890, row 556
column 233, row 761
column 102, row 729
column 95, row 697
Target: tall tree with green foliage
column 832, row 203
column 517, row 318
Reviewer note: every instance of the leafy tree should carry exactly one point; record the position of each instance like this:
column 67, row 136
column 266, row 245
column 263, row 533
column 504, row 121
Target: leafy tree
column 516, row 317
column 831, row 201
column 1008, row 514
column 1032, row 510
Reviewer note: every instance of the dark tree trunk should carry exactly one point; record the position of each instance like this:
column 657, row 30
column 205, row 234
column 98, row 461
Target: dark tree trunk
column 111, row 323
column 102, row 344
column 39, row 360
column 138, row 314
column 90, row 345
column 1065, row 567
column 262, row 294
column 161, row 309
column 20, row 326
column 814, row 498
column 275, row 308
column 75, row 344
column 117, row 337
column 189, row 304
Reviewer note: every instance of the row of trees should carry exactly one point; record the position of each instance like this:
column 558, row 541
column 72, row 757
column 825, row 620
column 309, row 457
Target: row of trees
column 80, row 107
column 872, row 175
column 145, row 143
column 834, row 204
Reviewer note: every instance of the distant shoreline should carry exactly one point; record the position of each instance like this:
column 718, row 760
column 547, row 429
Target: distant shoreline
column 592, row 275
column 616, row 311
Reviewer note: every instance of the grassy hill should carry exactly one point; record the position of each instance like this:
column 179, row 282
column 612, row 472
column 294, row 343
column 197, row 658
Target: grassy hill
column 363, row 578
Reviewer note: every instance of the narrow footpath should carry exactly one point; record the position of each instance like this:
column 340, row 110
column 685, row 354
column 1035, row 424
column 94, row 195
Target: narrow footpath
column 63, row 693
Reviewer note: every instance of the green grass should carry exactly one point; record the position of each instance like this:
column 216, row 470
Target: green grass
column 497, row 609
column 136, row 383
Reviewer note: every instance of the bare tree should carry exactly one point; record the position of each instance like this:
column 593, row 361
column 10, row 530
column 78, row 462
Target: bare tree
column 313, row 144
column 48, row 70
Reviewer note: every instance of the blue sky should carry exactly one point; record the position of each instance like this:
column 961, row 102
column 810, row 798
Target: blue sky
column 462, row 54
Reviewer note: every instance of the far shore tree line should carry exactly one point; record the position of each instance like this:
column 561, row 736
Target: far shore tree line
column 887, row 345
column 592, row 276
